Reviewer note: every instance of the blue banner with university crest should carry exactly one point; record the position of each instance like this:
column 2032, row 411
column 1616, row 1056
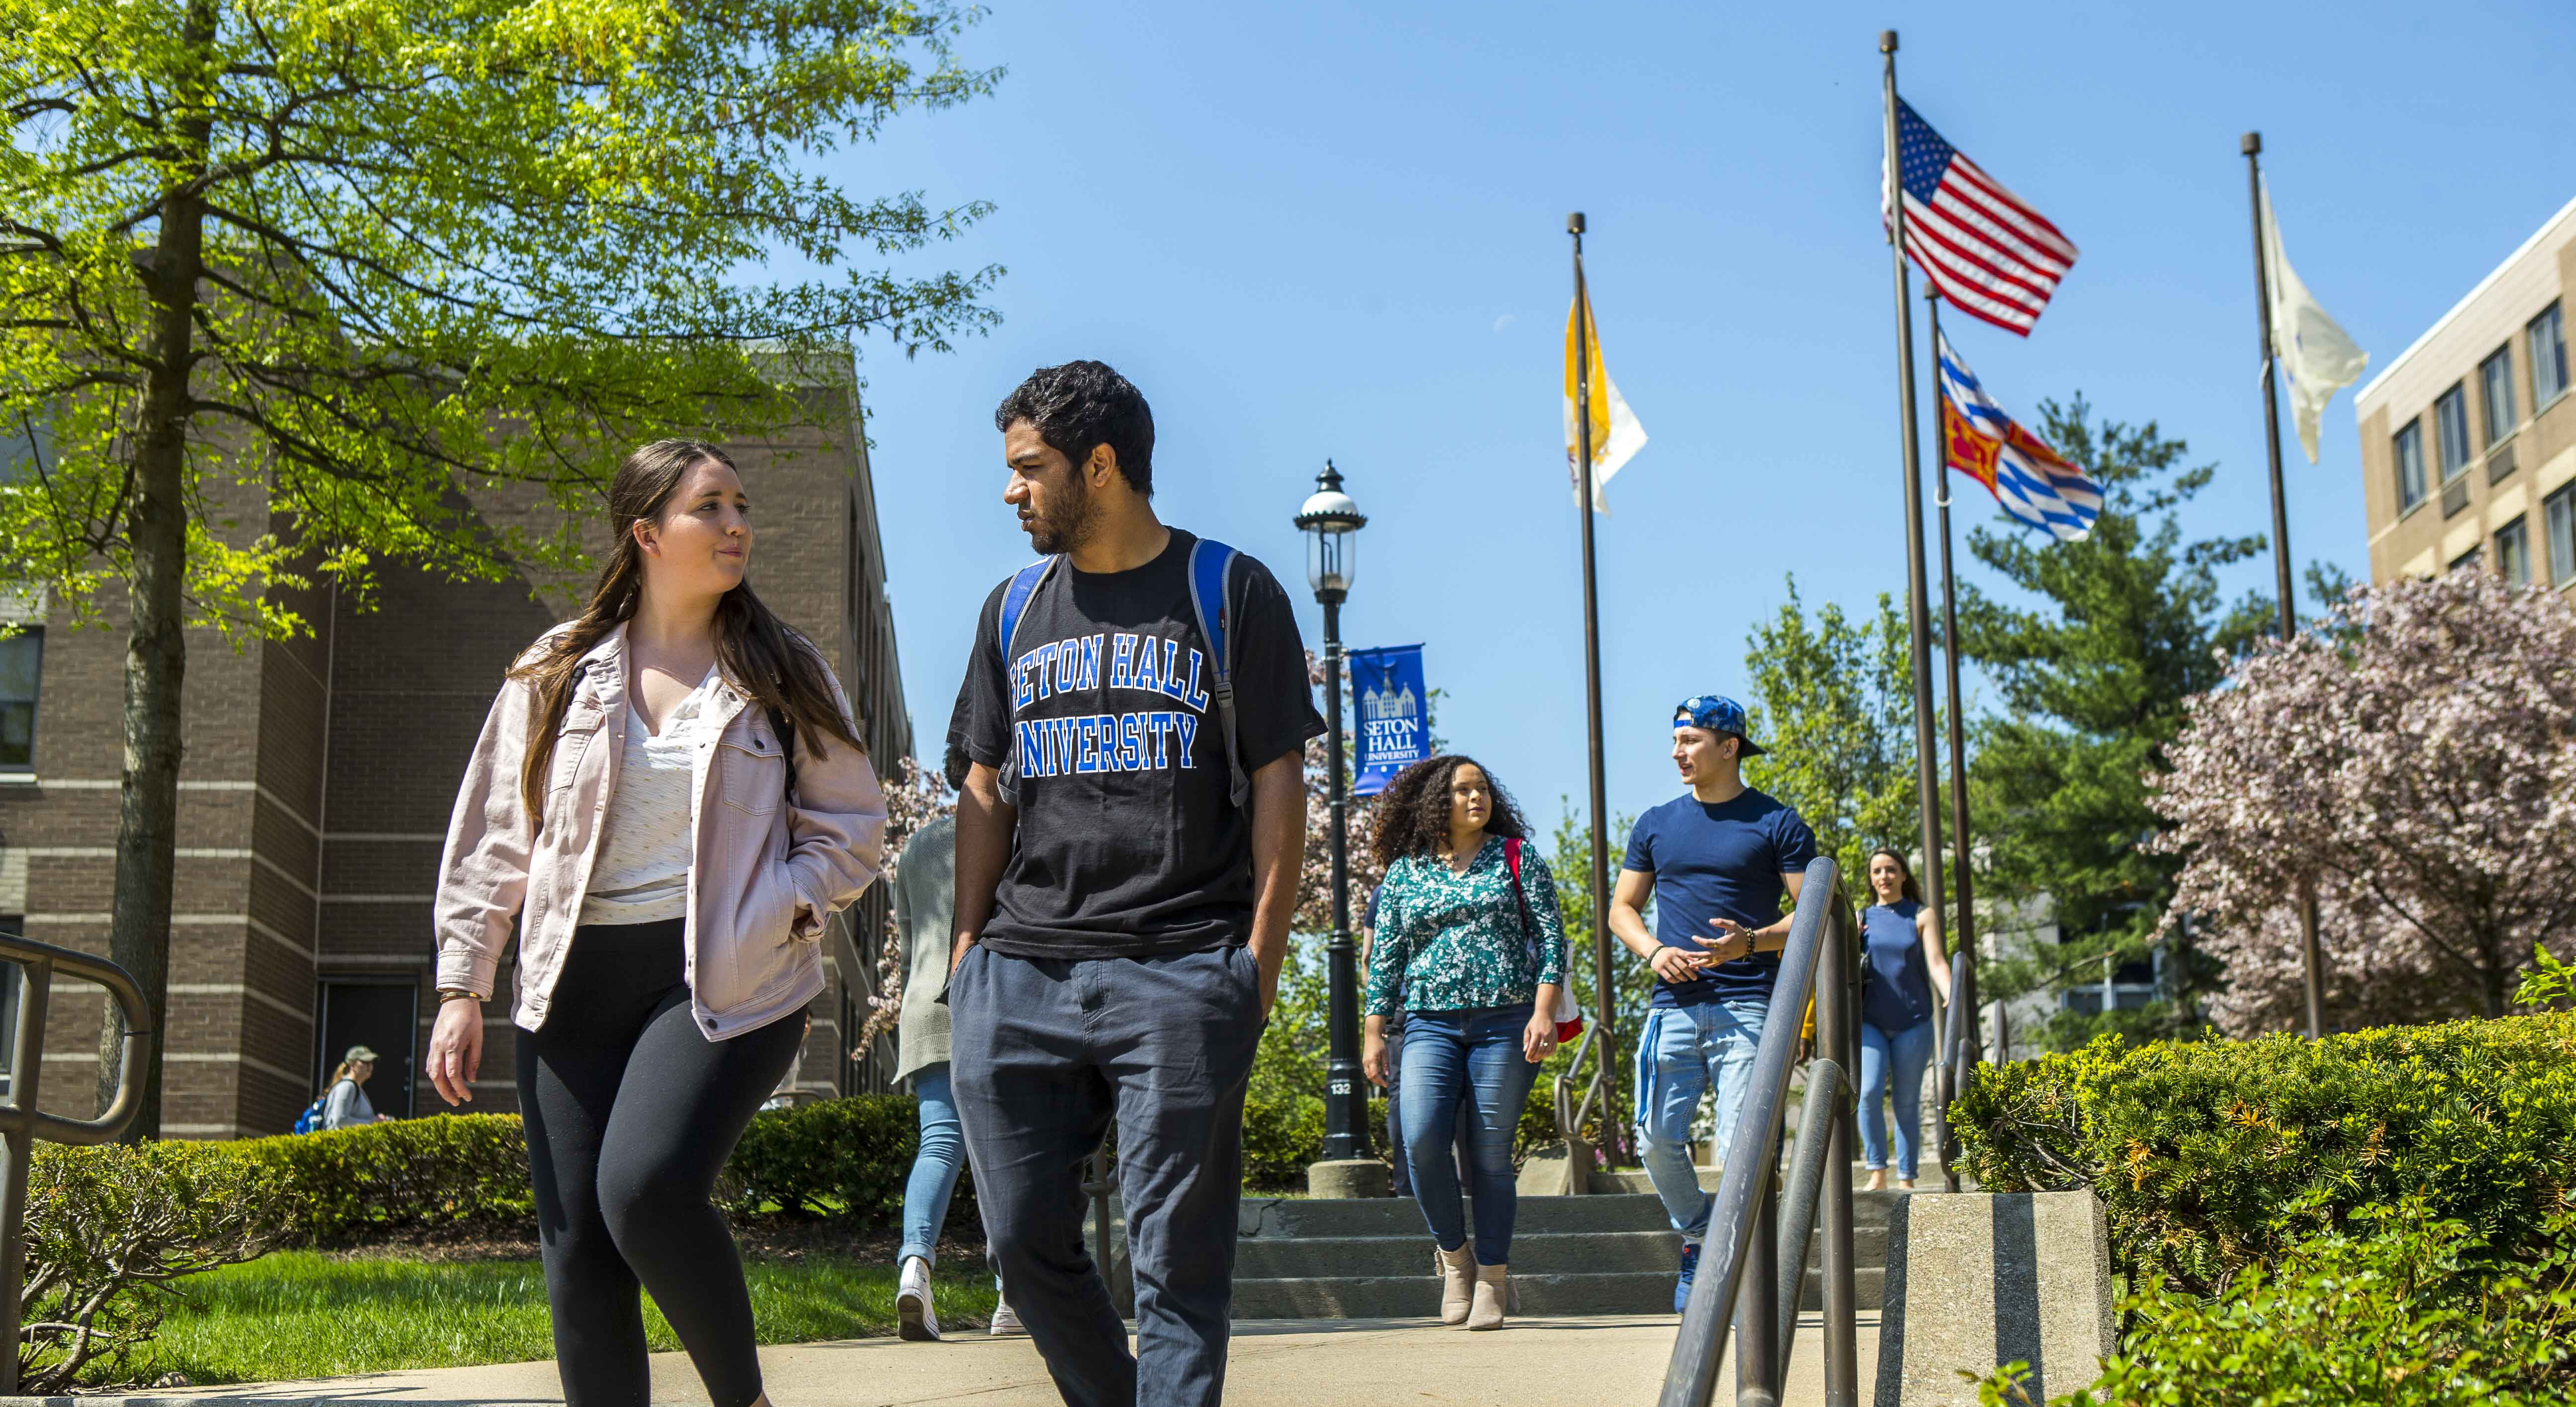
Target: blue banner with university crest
column 1393, row 706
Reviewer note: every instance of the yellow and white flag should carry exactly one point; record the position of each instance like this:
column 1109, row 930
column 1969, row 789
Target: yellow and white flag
column 2313, row 349
column 1616, row 435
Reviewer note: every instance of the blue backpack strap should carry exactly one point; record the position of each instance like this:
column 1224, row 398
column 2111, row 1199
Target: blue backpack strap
column 1015, row 603
column 1015, row 600
column 1212, row 580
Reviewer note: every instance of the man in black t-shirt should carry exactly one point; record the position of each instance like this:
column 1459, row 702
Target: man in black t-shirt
column 1124, row 885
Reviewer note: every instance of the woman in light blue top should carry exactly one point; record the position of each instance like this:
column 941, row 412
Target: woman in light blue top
column 1906, row 966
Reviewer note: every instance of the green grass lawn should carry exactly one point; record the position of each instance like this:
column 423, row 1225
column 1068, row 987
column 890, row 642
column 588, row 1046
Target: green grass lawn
column 302, row 1314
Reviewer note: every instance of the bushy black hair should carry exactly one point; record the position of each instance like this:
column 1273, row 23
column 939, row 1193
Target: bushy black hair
column 1413, row 811
column 1081, row 404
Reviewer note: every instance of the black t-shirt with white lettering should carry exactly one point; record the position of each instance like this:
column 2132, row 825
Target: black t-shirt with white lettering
column 1129, row 841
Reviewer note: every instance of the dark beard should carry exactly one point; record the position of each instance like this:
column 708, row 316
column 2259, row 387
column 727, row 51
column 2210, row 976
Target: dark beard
column 1070, row 525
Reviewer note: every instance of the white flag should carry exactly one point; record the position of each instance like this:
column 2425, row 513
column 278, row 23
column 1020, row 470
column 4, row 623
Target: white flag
column 2314, row 351
column 1616, row 435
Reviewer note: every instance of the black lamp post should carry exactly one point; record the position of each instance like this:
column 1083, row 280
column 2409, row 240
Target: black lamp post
column 1330, row 521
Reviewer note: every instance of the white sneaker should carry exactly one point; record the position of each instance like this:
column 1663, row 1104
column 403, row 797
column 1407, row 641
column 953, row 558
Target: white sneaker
column 914, row 1318
column 1005, row 1323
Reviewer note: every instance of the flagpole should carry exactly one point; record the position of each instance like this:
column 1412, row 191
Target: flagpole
column 1605, row 1035
column 1965, row 939
column 1927, row 767
column 2311, row 954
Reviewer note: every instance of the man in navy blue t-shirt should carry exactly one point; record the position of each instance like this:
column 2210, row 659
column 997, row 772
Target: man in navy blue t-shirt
column 1716, row 863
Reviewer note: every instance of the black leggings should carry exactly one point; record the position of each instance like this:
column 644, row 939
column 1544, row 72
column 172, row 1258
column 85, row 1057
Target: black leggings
column 630, row 1115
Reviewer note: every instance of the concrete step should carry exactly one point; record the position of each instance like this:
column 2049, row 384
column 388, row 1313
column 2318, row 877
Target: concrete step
column 1578, row 1293
column 1394, row 1297
column 1268, row 1217
column 1298, row 1257
column 1308, row 1257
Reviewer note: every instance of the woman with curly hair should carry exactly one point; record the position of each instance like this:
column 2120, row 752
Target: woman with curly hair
column 1471, row 947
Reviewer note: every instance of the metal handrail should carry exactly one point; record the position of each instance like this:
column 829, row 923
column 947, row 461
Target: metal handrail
column 22, row 1123
column 1745, row 1238
column 1960, row 1051
column 1569, row 1118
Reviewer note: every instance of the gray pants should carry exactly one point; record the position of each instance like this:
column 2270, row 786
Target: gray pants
column 1044, row 1050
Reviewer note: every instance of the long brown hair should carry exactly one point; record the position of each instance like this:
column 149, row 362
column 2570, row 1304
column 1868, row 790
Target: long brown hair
column 1908, row 888
column 1413, row 814
column 779, row 668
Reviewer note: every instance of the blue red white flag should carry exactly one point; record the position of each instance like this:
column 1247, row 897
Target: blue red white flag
column 2031, row 480
column 1988, row 251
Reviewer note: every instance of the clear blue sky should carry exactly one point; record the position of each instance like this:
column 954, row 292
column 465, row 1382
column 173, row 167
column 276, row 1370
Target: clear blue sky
column 1337, row 229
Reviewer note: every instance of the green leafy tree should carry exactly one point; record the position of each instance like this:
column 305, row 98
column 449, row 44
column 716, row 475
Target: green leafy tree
column 283, row 286
column 2121, row 628
column 1833, row 705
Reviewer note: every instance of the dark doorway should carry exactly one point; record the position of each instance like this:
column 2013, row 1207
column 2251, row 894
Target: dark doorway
column 382, row 1016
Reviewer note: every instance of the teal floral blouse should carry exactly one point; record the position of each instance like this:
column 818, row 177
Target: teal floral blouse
column 1450, row 942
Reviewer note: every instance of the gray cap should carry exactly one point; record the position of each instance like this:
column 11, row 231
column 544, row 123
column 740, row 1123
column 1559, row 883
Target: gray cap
column 359, row 1055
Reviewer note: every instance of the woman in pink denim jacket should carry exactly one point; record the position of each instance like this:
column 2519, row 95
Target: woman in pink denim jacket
column 667, row 803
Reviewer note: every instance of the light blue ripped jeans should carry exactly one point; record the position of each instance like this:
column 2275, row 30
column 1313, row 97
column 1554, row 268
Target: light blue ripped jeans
column 1683, row 1053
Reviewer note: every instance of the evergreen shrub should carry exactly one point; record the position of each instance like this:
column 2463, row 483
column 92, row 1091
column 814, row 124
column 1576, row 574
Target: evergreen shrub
column 461, row 1172
column 846, row 1157
column 2213, row 1157
column 2398, row 1309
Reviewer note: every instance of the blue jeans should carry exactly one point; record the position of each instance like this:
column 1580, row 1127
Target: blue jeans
column 1471, row 1056
column 934, row 1168
column 1892, row 1065
column 1395, row 1155
column 1683, row 1053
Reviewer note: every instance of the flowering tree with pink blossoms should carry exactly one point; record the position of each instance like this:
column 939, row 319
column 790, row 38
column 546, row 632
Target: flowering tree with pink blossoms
column 2415, row 759
column 915, row 796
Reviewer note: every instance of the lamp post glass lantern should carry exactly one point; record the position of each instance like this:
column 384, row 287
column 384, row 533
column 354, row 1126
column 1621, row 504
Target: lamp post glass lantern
column 1331, row 521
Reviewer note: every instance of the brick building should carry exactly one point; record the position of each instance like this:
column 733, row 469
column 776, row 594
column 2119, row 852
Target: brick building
column 314, row 797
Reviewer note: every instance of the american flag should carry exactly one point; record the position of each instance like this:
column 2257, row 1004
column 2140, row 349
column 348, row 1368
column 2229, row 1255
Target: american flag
column 2028, row 477
column 1990, row 254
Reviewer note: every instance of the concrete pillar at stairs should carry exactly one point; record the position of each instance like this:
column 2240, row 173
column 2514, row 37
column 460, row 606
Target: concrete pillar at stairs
column 1557, row 1170
column 1978, row 1280
column 1348, row 1177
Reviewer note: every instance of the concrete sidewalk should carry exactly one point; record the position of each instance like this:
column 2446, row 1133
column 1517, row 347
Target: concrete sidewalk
column 1275, row 1363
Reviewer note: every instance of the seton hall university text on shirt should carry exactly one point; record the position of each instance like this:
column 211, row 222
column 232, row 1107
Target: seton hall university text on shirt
column 1144, row 741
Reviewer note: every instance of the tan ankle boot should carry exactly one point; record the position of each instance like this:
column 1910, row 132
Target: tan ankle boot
column 1457, row 1282
column 1493, row 1296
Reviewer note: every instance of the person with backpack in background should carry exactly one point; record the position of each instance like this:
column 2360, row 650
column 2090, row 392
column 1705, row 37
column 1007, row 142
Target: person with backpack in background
column 1128, row 845
column 1470, row 946
column 344, row 1101
column 668, row 803
column 925, row 907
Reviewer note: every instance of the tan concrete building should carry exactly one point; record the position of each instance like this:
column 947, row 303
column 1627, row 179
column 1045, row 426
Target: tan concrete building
column 314, row 797
column 2468, row 437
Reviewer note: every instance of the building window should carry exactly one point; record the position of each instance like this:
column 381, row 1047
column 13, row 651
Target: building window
column 2495, row 390
column 2513, row 553
column 2409, row 452
column 2451, row 414
column 2548, row 338
column 22, row 668
column 2469, row 559
column 2561, row 513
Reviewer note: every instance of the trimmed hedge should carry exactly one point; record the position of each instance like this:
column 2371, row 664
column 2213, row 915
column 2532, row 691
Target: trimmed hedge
column 2411, row 1312
column 2213, row 1157
column 846, row 1157
column 462, row 1172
